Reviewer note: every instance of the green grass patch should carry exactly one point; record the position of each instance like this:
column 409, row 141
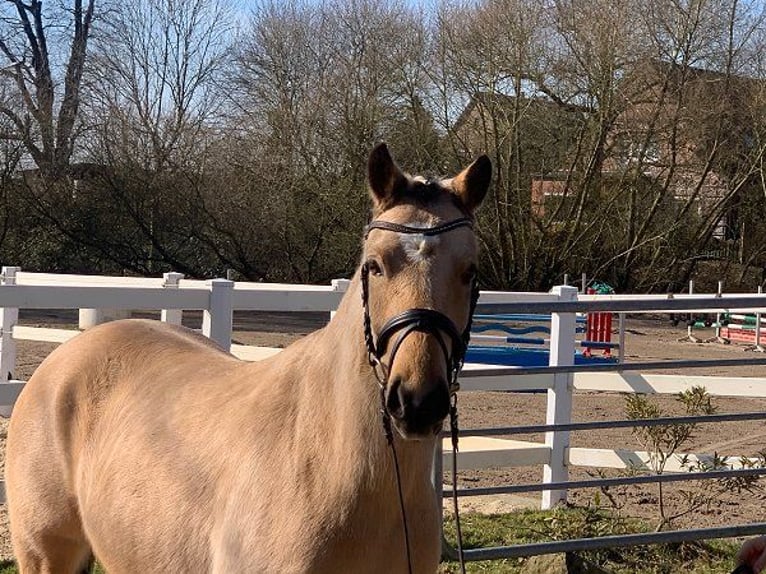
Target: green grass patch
column 565, row 523
column 9, row 567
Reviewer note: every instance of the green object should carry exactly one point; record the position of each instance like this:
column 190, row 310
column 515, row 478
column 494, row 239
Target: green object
column 602, row 288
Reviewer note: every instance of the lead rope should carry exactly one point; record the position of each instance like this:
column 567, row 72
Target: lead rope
column 454, row 431
column 390, row 439
column 453, row 422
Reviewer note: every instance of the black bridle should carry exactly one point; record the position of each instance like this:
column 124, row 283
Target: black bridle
column 430, row 322
column 427, row 321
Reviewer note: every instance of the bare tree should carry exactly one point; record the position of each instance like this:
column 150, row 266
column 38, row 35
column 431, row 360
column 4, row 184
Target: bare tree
column 10, row 156
column 46, row 120
column 154, row 87
column 156, row 79
column 319, row 83
column 631, row 119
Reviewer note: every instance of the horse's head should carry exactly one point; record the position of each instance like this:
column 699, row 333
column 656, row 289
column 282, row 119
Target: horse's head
column 418, row 274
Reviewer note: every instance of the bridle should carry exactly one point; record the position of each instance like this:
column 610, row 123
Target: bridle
column 427, row 321
column 417, row 320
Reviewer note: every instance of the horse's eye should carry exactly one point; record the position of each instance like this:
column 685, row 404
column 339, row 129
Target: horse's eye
column 374, row 268
column 469, row 274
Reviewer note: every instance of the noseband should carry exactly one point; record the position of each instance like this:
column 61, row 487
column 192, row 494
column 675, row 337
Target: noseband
column 428, row 321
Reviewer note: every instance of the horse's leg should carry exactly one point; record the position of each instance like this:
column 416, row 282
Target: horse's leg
column 46, row 529
column 51, row 554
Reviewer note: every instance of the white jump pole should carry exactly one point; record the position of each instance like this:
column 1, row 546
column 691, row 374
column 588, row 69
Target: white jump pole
column 621, row 341
column 758, row 346
column 718, row 314
column 717, row 336
column 690, row 323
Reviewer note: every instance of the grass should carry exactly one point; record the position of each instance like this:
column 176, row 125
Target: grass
column 537, row 526
column 711, row 557
column 9, row 567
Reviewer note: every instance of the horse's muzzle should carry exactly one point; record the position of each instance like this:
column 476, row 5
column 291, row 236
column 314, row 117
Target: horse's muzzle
column 418, row 409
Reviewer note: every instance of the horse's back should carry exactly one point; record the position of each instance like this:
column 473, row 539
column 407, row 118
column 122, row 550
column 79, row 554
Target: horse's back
column 79, row 420
column 75, row 384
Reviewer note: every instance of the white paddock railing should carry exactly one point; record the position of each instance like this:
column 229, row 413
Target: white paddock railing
column 218, row 299
column 613, row 378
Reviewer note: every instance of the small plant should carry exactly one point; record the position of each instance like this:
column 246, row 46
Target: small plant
column 663, row 442
column 706, row 492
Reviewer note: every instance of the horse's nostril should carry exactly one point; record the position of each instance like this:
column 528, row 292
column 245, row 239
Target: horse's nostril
column 395, row 399
column 419, row 408
column 434, row 405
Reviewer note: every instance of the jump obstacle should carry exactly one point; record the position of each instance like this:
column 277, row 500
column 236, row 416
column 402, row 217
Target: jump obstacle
column 515, row 346
column 745, row 329
column 729, row 328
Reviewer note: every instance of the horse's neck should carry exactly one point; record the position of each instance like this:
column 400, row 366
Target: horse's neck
column 356, row 396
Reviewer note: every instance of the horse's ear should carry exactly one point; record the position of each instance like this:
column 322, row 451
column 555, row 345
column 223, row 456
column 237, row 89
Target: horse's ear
column 471, row 184
column 384, row 176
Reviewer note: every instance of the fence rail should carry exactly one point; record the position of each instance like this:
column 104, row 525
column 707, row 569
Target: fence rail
column 586, row 544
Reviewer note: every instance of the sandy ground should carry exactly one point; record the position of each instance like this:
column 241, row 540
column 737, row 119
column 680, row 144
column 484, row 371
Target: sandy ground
column 646, row 339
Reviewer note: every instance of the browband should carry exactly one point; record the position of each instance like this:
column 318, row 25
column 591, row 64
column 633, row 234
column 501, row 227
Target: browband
column 427, row 231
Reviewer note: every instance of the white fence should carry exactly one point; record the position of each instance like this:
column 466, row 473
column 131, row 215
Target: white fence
column 218, row 299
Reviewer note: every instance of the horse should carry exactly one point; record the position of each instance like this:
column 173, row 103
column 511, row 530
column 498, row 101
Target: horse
column 150, row 449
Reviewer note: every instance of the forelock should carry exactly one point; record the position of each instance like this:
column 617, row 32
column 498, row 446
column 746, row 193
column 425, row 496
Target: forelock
column 421, row 192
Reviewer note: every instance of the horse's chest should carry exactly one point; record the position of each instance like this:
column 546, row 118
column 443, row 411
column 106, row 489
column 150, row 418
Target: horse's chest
column 365, row 539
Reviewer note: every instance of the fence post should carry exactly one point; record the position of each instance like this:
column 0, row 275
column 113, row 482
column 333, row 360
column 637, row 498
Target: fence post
column 559, row 409
column 8, row 318
column 218, row 318
column 341, row 286
column 172, row 316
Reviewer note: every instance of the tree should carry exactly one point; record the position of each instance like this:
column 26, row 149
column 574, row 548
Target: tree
column 154, row 93
column 156, row 81
column 46, row 128
column 319, row 84
column 10, row 156
column 645, row 145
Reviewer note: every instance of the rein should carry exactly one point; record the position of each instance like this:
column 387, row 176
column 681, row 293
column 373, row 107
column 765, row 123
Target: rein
column 430, row 322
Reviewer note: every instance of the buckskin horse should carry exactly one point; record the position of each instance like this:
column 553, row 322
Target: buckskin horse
column 147, row 446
